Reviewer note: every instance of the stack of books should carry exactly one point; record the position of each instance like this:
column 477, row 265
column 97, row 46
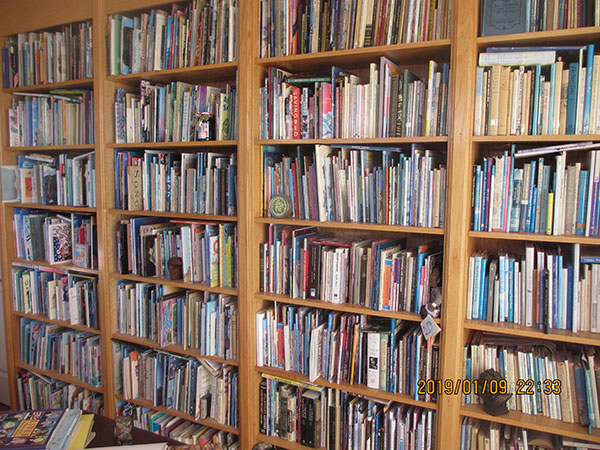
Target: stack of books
column 169, row 316
column 318, row 417
column 390, row 102
column 537, row 91
column 48, row 57
column 193, row 183
column 302, row 26
column 51, row 347
column 56, row 294
column 194, row 33
column 61, row 117
column 175, row 112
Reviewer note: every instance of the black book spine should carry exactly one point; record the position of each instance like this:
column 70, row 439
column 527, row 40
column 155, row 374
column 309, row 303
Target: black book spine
column 262, row 405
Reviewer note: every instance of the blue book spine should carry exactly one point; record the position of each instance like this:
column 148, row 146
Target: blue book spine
column 531, row 196
column 582, row 203
column 482, row 290
column 572, row 98
column 484, row 304
column 589, row 71
column 477, row 207
column 501, row 301
column 535, row 196
column 511, row 292
column 561, row 14
column 484, row 209
column 476, row 286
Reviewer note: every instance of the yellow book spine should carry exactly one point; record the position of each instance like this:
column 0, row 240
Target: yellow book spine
column 550, row 213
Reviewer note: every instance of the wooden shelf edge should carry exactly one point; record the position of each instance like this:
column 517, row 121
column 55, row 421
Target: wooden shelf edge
column 159, row 145
column 359, row 141
column 62, row 266
column 343, row 307
column 168, row 73
column 195, row 353
column 537, row 138
column 537, row 423
column 352, row 226
column 357, row 389
column 81, row 82
column 173, row 412
column 176, row 283
column 438, row 44
column 54, row 148
column 532, row 237
column 61, row 323
column 59, row 376
column 75, row 209
column 523, row 38
column 173, row 215
column 283, row 443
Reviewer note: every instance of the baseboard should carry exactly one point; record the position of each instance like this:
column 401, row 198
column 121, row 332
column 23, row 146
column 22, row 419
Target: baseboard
column 4, row 393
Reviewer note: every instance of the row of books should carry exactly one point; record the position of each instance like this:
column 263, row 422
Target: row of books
column 381, row 275
column 56, row 238
column 535, row 197
column 170, row 316
column 388, row 102
column 479, row 434
column 36, row 391
column 177, row 428
column 384, row 354
column 541, row 288
column 64, row 180
column 55, row 294
column 195, row 252
column 48, row 57
column 203, row 389
column 357, row 184
column 299, row 26
column 175, row 112
column 195, row 33
column 64, row 351
column 539, row 15
column 545, row 378
column 319, row 417
column 62, row 117
column 159, row 180
column 533, row 91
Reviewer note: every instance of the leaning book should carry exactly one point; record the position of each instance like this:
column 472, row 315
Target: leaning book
column 41, row 429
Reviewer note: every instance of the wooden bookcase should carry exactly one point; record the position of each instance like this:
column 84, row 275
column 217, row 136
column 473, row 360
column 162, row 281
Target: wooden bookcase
column 461, row 51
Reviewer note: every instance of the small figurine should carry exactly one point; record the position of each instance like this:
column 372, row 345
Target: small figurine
column 494, row 402
column 175, row 266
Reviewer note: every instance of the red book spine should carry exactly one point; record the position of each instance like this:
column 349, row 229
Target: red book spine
column 296, row 113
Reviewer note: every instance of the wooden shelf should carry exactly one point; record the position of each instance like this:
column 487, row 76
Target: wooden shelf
column 357, row 389
column 58, row 376
column 579, row 36
column 62, row 266
column 552, row 138
column 62, row 323
column 173, row 412
column 392, row 141
column 193, row 352
column 52, row 148
column 173, row 145
column 59, row 208
column 195, row 74
column 283, row 443
column 176, row 283
column 352, row 226
column 532, row 237
column 173, row 215
column 343, row 307
column 538, row 423
column 417, row 52
column 581, row 338
column 36, row 88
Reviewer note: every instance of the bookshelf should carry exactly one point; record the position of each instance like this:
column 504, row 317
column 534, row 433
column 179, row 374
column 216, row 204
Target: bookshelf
column 460, row 148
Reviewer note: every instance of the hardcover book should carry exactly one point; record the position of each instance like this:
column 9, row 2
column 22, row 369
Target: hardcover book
column 503, row 17
column 28, row 429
